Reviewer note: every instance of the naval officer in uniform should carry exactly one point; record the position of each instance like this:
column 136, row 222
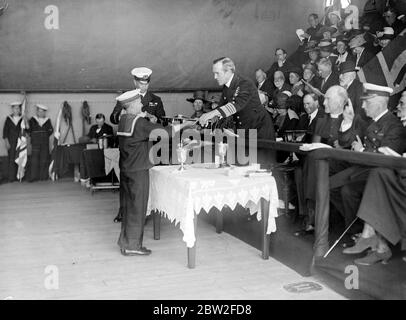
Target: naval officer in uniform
column 240, row 100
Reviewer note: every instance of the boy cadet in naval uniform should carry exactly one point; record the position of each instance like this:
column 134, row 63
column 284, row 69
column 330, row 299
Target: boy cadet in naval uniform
column 135, row 134
column 151, row 103
column 40, row 128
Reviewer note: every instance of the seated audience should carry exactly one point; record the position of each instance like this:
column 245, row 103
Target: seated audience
column 384, row 131
column 311, row 32
column 362, row 55
column 338, row 128
column 391, row 18
column 329, row 77
column 342, row 49
column 326, row 51
column 280, row 85
column 295, row 75
column 287, row 119
column 378, row 198
column 101, row 129
column 313, row 53
column 326, row 33
column 199, row 100
column 311, row 77
column 264, row 84
column 349, row 81
column 308, row 121
column 281, row 63
column 385, row 37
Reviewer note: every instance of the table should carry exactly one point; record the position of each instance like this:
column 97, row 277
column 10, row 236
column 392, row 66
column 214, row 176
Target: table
column 180, row 196
column 67, row 155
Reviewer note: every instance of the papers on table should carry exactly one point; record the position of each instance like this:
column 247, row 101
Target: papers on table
column 314, row 146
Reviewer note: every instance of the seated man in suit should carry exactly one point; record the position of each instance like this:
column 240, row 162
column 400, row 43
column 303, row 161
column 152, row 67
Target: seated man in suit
column 101, row 129
column 281, row 63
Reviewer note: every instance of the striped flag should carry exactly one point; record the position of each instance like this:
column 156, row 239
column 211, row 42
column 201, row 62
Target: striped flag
column 51, row 169
column 388, row 67
column 21, row 149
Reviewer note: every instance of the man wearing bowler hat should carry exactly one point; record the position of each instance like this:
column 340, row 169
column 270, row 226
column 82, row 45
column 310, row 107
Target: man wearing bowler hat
column 40, row 128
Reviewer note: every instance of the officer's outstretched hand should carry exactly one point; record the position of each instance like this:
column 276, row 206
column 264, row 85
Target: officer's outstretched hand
column 205, row 117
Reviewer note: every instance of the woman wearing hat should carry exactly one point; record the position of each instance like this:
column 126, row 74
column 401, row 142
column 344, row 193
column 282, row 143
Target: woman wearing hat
column 199, row 100
column 11, row 131
column 385, row 37
column 312, row 51
column 362, row 55
column 311, row 77
column 295, row 75
column 40, row 128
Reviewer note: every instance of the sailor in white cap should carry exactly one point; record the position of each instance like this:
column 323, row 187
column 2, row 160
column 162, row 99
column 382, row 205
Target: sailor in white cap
column 11, row 131
column 135, row 133
column 151, row 103
column 40, row 128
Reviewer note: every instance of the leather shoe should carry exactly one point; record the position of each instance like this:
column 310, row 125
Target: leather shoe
column 361, row 244
column 137, row 252
column 374, row 257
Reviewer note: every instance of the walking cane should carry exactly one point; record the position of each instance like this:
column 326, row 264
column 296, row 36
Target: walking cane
column 338, row 240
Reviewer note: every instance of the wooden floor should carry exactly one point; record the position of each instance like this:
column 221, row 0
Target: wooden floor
column 61, row 224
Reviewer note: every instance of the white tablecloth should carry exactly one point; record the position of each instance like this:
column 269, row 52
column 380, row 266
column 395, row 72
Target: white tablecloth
column 178, row 195
column 111, row 161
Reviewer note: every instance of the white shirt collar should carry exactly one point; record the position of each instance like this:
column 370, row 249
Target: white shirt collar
column 41, row 121
column 376, row 119
column 313, row 115
column 260, row 83
column 334, row 116
column 229, row 81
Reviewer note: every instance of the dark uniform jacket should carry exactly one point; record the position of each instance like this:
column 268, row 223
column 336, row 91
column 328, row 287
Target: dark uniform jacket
column 242, row 102
column 40, row 134
column 135, row 142
column 11, row 131
column 151, row 103
column 388, row 131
